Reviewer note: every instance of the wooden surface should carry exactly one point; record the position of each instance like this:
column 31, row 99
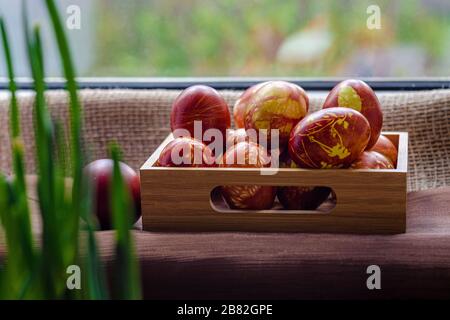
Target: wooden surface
column 368, row 201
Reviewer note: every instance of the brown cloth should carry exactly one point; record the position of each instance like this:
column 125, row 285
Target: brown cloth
column 247, row 265
column 300, row 266
column 233, row 265
column 139, row 121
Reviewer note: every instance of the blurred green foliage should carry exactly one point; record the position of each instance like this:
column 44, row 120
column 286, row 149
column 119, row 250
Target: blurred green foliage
column 232, row 37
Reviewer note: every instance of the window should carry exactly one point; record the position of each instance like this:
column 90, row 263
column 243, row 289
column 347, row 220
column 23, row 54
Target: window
column 301, row 38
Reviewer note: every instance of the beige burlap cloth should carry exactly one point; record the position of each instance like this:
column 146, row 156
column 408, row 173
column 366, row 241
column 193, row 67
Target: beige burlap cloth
column 139, row 121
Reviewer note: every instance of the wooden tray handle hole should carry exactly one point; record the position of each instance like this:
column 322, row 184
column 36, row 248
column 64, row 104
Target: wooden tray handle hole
column 320, row 200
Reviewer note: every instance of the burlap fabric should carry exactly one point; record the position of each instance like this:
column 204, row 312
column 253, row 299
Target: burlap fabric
column 139, row 120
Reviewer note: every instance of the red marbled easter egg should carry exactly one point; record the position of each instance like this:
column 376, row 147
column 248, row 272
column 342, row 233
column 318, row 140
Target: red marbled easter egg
column 99, row 175
column 185, row 152
column 300, row 198
column 242, row 103
column 248, row 197
column 200, row 103
column 358, row 95
column 329, row 138
column 372, row 160
column 386, row 148
column 276, row 105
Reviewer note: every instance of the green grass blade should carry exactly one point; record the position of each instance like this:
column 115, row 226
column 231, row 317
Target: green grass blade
column 81, row 198
column 60, row 244
column 95, row 272
column 17, row 153
column 4, row 207
column 61, row 152
column 17, row 145
column 15, row 121
column 23, row 215
column 4, row 211
column 15, row 217
column 20, row 260
column 51, row 260
column 79, row 208
column 128, row 284
column 75, row 107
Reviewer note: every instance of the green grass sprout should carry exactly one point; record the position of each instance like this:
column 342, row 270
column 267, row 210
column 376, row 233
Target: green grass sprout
column 128, row 285
column 40, row 272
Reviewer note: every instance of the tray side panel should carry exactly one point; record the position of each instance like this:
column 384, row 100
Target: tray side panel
column 368, row 201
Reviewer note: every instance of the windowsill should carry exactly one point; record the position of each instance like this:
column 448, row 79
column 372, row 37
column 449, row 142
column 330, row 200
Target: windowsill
column 236, row 83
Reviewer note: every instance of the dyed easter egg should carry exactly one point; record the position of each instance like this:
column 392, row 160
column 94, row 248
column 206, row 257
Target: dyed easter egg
column 358, row 95
column 372, row 160
column 276, row 105
column 249, row 197
column 329, row 138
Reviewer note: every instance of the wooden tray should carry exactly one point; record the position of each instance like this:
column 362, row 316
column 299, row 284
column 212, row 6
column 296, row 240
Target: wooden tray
column 183, row 199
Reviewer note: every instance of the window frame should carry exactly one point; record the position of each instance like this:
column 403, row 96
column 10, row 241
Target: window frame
column 232, row 83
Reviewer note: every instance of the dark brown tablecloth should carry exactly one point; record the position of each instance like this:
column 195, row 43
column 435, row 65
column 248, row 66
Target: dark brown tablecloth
column 293, row 266
column 297, row 266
